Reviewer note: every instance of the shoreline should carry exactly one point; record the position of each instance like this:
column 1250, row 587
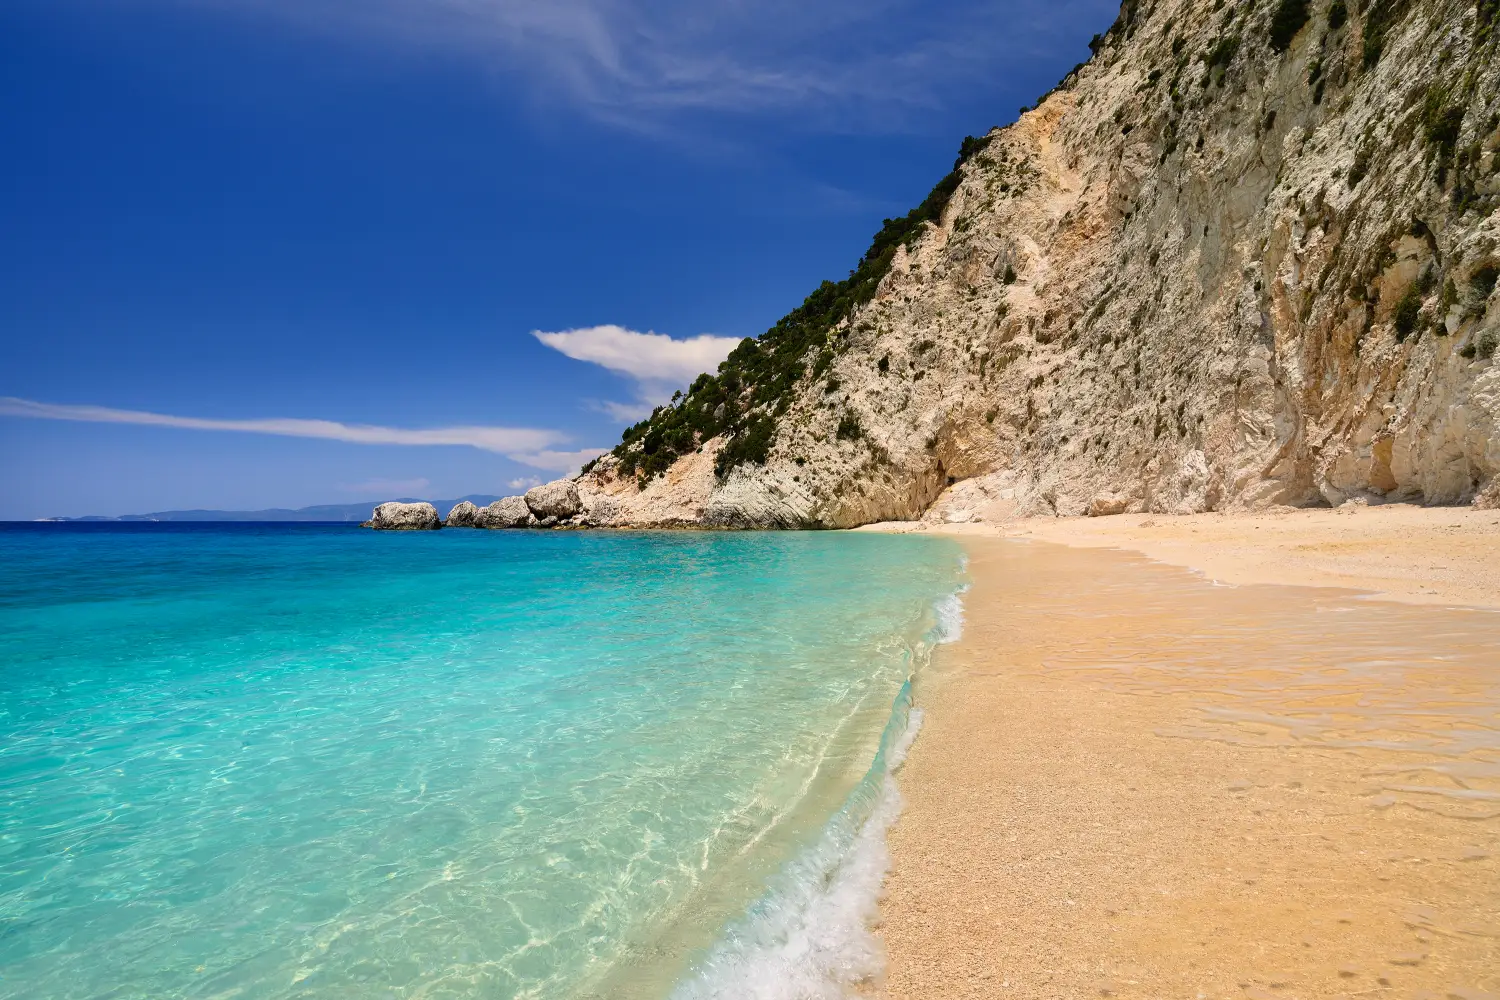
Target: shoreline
column 811, row 929
column 1396, row 552
column 1131, row 782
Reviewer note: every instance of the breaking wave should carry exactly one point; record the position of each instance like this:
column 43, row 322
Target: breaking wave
column 809, row 936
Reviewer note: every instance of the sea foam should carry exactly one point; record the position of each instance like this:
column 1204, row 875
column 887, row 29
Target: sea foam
column 809, row 936
column 950, row 617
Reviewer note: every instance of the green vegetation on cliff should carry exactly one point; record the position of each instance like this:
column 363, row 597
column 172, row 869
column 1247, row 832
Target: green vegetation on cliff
column 1288, row 20
column 754, row 385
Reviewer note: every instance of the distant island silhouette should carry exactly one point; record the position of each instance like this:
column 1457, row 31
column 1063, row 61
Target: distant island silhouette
column 355, row 512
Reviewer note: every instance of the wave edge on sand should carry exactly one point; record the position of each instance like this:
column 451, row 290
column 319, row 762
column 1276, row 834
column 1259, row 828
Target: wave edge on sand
column 810, row 936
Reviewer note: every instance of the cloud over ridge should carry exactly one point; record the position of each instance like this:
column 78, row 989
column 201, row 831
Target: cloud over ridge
column 647, row 357
column 655, row 362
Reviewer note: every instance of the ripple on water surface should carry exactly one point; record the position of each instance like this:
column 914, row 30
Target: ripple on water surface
column 296, row 761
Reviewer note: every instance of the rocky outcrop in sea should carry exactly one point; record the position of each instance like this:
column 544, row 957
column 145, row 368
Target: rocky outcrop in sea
column 509, row 512
column 396, row 516
column 462, row 515
column 557, row 499
column 554, row 504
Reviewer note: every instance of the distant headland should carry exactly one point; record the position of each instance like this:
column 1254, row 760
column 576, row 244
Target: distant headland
column 352, row 512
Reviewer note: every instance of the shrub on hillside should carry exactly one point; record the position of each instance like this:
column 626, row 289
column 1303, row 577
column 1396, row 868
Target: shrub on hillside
column 1482, row 281
column 752, row 445
column 1289, row 19
column 849, row 428
column 1223, row 52
column 1408, row 310
column 1359, row 167
column 1380, row 16
column 1483, row 346
column 1441, row 121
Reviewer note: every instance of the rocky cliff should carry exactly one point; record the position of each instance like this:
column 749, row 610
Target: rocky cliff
column 1246, row 255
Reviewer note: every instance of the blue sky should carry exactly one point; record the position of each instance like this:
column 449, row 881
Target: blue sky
column 283, row 252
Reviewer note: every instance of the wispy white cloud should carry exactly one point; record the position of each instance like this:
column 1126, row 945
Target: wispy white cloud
column 524, row 483
column 627, row 413
column 636, row 61
column 645, row 357
column 618, row 58
column 526, row 445
column 655, row 362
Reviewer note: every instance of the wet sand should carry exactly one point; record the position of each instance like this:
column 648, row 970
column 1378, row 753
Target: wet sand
column 1132, row 782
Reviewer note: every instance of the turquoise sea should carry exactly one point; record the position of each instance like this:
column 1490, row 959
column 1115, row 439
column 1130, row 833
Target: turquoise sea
column 316, row 761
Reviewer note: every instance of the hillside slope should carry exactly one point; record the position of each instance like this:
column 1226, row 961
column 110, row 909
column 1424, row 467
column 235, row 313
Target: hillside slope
column 1245, row 256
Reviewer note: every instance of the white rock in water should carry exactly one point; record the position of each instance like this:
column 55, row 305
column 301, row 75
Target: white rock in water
column 510, row 512
column 462, row 515
column 558, row 499
column 395, row 516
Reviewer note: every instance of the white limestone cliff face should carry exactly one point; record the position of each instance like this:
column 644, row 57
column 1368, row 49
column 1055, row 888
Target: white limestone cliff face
column 1176, row 285
column 677, row 499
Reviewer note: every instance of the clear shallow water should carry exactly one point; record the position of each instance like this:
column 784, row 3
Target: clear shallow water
column 300, row 761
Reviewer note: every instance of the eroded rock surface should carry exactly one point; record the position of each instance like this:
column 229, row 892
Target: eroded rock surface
column 557, row 499
column 510, row 512
column 395, row 516
column 462, row 515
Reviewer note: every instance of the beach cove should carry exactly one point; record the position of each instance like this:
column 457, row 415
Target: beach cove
column 449, row 764
column 1167, row 776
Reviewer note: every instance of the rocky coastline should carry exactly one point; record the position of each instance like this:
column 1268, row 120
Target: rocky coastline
column 557, row 504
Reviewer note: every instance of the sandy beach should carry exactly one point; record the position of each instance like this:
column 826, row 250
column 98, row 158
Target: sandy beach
column 1194, row 757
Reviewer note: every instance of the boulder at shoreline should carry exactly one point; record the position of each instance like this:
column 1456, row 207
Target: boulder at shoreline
column 557, row 499
column 395, row 516
column 462, row 515
column 546, row 506
column 509, row 512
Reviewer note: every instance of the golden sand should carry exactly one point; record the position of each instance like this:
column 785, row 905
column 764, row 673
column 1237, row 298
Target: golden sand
column 1133, row 782
column 1429, row 555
